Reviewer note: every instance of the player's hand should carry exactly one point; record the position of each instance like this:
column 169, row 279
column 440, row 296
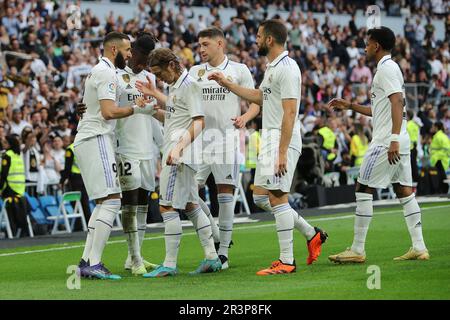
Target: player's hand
column 174, row 156
column 80, row 109
column 394, row 152
column 338, row 104
column 220, row 79
column 144, row 106
column 146, row 88
column 239, row 122
column 281, row 165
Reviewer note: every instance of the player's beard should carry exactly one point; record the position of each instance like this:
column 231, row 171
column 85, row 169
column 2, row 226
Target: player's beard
column 119, row 61
column 263, row 50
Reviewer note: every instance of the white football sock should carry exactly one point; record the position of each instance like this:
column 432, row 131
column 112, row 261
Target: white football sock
column 412, row 214
column 214, row 227
column 103, row 225
column 203, row 227
column 301, row 225
column 285, row 225
column 226, row 216
column 262, row 201
column 142, row 211
column 172, row 236
column 129, row 222
column 363, row 216
column 90, row 233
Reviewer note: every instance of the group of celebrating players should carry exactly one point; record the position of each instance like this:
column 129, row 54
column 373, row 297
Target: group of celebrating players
column 124, row 109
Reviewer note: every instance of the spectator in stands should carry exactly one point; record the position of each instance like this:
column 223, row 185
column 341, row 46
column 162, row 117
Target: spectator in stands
column 361, row 72
column 63, row 127
column 18, row 124
column 51, row 165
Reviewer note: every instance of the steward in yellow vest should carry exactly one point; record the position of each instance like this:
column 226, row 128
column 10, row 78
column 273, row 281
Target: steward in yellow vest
column 440, row 147
column 329, row 142
column 12, row 184
column 358, row 145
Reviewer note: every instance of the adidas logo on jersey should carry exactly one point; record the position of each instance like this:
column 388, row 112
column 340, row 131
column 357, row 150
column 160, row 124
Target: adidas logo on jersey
column 129, row 87
column 229, row 177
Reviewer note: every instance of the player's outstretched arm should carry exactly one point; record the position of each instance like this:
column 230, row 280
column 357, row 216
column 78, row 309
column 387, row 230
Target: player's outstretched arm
column 341, row 104
column 148, row 89
column 252, row 112
column 251, row 95
column 111, row 111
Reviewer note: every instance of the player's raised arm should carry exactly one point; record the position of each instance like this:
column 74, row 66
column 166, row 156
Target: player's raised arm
column 341, row 104
column 110, row 110
column 251, row 95
column 252, row 112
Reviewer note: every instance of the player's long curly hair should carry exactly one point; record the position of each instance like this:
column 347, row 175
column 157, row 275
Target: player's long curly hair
column 161, row 57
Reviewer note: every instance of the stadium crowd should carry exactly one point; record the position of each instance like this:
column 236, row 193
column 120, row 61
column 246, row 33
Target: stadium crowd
column 44, row 63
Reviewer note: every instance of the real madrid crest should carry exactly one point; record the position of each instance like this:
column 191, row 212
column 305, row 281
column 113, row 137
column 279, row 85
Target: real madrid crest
column 200, row 74
column 126, row 77
column 230, row 78
column 174, row 99
column 270, row 78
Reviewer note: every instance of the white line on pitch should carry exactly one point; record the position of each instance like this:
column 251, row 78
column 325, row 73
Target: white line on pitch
column 193, row 233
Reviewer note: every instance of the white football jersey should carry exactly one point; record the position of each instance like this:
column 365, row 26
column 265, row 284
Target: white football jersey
column 388, row 79
column 282, row 80
column 134, row 134
column 220, row 104
column 101, row 84
column 183, row 104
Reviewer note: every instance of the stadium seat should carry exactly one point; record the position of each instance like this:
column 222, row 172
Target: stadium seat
column 4, row 217
column 35, row 210
column 4, row 220
column 64, row 213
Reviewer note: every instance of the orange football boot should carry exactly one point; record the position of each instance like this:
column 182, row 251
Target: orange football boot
column 278, row 267
column 315, row 245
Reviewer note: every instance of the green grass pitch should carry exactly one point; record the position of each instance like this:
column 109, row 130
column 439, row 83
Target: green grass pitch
column 42, row 275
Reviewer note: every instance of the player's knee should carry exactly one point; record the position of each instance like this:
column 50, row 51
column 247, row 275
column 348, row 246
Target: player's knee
column 262, row 202
column 110, row 208
column 402, row 191
column 362, row 188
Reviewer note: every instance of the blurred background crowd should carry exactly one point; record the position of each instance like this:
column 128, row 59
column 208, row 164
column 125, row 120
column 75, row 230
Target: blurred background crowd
column 43, row 63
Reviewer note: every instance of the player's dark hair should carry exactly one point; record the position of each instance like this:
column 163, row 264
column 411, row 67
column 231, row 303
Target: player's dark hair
column 384, row 36
column 161, row 57
column 276, row 29
column 145, row 42
column 211, row 32
column 114, row 36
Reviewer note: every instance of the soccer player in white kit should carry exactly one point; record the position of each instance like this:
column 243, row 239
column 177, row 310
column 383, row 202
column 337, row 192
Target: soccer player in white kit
column 183, row 122
column 387, row 160
column 93, row 147
column 135, row 156
column 279, row 95
column 220, row 144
